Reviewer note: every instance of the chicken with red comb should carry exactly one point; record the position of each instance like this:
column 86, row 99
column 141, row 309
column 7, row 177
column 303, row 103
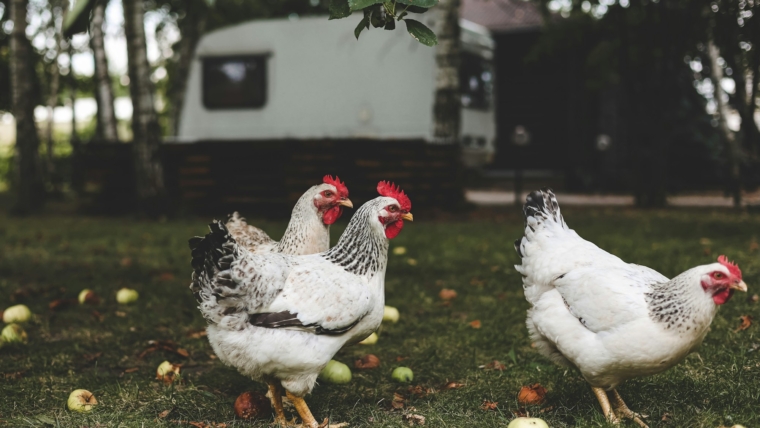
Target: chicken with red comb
column 281, row 318
column 611, row 320
column 309, row 229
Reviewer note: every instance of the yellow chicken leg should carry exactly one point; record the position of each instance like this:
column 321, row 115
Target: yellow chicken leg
column 276, row 390
column 303, row 411
column 604, row 401
column 623, row 411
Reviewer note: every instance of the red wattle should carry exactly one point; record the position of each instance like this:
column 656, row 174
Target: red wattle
column 393, row 229
column 332, row 214
column 722, row 296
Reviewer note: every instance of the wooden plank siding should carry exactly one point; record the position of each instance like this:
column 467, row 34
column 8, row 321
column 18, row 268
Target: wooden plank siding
column 265, row 178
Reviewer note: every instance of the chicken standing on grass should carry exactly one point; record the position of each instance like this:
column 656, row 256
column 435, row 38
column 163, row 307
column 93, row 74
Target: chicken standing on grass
column 280, row 318
column 309, row 229
column 610, row 319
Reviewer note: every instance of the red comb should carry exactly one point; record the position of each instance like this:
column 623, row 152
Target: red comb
column 339, row 185
column 386, row 188
column 732, row 267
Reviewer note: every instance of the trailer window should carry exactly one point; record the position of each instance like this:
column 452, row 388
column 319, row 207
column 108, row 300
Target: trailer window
column 476, row 81
column 237, row 82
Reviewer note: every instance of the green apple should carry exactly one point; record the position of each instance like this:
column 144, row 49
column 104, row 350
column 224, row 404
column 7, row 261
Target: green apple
column 335, row 372
column 13, row 333
column 17, row 314
column 402, row 374
column 527, row 423
column 81, row 400
column 390, row 314
column 369, row 340
column 127, row 295
column 167, row 372
column 88, row 296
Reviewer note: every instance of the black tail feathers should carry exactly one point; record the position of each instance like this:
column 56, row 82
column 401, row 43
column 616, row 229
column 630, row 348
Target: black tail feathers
column 210, row 254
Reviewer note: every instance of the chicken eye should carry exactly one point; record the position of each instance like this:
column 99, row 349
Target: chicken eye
column 392, row 208
column 327, row 193
column 718, row 275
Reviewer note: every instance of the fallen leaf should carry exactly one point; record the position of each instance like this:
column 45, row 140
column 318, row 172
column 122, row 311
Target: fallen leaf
column 401, row 358
column 452, row 385
column 126, row 262
column 489, row 405
column 419, row 391
column 164, row 345
column 164, row 414
column 398, row 401
column 121, row 314
column 494, row 365
column 14, row 375
column 166, row 276
column 131, row 370
column 98, row 316
column 413, row 419
column 412, row 262
column 665, row 417
column 368, row 361
column 447, row 294
column 60, row 304
column 531, row 395
column 546, row 409
column 196, row 334
column 746, row 323
column 475, row 324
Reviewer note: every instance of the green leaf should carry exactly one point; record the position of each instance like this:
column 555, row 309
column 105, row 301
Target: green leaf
column 364, row 23
column 415, row 9
column 421, row 32
column 421, row 3
column 361, row 4
column 377, row 20
column 339, row 9
column 390, row 25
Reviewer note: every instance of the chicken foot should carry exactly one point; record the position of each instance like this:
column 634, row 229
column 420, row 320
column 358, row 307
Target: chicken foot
column 306, row 417
column 604, row 401
column 276, row 390
column 622, row 410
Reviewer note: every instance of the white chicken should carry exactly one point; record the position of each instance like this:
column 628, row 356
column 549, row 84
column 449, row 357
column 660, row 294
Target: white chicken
column 610, row 319
column 309, row 229
column 280, row 318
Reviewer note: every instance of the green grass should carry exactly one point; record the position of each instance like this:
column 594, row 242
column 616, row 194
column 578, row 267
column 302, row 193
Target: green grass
column 54, row 257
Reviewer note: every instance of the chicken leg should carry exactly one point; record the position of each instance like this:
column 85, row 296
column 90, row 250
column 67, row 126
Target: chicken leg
column 306, row 417
column 604, row 401
column 276, row 390
column 623, row 411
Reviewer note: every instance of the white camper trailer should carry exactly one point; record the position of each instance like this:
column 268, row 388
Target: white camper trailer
column 310, row 79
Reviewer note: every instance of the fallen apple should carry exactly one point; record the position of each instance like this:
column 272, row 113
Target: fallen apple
column 335, row 372
column 527, row 423
column 13, row 333
column 127, row 295
column 81, row 400
column 399, row 251
column 251, row 405
column 368, row 361
column 17, row 314
column 369, row 340
column 88, row 296
column 530, row 395
column 402, row 374
column 167, row 372
column 390, row 314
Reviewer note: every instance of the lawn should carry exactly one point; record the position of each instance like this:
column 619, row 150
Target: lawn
column 102, row 348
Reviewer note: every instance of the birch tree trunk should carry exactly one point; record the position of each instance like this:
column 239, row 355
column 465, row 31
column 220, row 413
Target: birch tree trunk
column 27, row 171
column 447, row 110
column 191, row 28
column 145, row 129
column 733, row 149
column 106, row 127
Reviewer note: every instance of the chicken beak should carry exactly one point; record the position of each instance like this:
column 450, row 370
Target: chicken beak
column 407, row 216
column 741, row 286
column 346, row 202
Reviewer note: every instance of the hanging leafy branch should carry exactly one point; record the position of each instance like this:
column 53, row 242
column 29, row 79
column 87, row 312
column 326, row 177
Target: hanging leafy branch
column 385, row 14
